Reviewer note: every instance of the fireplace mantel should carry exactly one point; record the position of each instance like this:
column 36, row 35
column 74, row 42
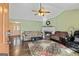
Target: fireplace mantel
column 48, row 28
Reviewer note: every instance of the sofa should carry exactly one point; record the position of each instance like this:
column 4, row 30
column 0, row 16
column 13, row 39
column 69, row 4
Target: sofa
column 59, row 36
column 71, row 42
column 28, row 35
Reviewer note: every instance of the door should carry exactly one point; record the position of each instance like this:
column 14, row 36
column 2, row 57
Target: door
column 4, row 27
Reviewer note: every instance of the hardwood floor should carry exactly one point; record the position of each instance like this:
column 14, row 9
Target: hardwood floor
column 22, row 50
column 25, row 51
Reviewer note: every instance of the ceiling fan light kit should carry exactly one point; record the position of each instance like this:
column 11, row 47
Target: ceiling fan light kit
column 41, row 14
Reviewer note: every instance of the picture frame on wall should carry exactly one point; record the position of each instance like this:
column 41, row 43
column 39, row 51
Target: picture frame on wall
column 48, row 23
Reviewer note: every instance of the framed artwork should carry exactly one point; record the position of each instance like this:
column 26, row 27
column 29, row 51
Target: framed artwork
column 48, row 23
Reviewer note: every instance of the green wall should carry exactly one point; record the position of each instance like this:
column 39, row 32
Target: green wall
column 66, row 20
column 29, row 25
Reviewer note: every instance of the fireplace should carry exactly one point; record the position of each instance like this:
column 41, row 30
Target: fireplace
column 47, row 30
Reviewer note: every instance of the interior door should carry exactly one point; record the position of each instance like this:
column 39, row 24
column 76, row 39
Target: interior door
column 4, row 27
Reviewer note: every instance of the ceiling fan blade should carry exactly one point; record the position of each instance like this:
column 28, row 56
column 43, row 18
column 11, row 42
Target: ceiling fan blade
column 47, row 12
column 35, row 14
column 34, row 10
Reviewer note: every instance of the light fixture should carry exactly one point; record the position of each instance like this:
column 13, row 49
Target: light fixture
column 41, row 14
column 41, row 11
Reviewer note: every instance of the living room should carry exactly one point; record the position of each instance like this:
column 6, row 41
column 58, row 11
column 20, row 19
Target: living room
column 40, row 29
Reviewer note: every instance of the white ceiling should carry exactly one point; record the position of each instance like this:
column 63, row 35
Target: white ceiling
column 24, row 10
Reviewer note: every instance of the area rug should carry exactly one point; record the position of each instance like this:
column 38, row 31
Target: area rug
column 49, row 48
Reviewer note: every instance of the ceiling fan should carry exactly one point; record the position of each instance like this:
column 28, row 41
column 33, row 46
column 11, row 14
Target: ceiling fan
column 41, row 11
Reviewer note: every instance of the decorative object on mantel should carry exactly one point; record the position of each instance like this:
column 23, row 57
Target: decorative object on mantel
column 41, row 11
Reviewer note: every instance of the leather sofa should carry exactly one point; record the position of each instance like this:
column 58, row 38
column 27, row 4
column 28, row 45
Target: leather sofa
column 59, row 36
